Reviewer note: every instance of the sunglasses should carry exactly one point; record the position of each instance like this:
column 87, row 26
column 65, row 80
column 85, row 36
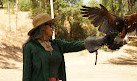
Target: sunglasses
column 50, row 24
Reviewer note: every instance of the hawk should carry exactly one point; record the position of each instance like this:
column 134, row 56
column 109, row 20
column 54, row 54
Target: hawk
column 109, row 23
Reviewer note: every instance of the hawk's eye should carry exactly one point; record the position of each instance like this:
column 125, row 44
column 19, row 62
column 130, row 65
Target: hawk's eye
column 117, row 23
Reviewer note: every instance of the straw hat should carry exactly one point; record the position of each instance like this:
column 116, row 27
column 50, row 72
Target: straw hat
column 40, row 19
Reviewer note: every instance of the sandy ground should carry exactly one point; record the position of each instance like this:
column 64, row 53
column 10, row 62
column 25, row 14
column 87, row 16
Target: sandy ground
column 120, row 65
column 111, row 66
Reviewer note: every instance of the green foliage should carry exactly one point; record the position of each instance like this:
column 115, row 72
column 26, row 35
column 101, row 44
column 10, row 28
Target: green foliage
column 71, row 25
column 135, row 7
column 36, row 11
column 120, row 7
column 93, row 3
column 79, row 27
column 11, row 6
column 114, row 6
column 24, row 5
column 39, row 6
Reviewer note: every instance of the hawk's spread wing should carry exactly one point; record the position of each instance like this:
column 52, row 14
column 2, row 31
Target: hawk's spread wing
column 100, row 17
column 131, row 20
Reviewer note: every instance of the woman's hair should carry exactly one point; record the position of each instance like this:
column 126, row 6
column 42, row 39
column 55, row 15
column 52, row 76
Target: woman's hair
column 35, row 35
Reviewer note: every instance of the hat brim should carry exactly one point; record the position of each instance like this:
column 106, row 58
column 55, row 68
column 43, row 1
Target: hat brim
column 49, row 21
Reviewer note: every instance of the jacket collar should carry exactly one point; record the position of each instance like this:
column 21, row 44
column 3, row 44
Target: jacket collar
column 36, row 41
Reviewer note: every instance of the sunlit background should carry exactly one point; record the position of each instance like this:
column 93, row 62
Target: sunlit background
column 86, row 1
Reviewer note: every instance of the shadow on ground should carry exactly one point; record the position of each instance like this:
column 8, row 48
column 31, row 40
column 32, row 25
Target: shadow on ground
column 126, row 60
column 8, row 53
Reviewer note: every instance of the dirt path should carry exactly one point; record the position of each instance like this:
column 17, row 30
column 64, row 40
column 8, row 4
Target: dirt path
column 116, row 66
column 111, row 66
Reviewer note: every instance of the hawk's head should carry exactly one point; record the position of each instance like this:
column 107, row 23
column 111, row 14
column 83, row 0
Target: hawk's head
column 120, row 23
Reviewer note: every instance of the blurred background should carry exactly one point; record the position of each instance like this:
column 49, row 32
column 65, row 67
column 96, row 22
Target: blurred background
column 16, row 20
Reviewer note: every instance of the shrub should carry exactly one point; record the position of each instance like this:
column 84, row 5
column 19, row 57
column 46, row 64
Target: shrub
column 24, row 5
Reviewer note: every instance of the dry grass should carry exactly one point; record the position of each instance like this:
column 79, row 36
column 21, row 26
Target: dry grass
column 11, row 42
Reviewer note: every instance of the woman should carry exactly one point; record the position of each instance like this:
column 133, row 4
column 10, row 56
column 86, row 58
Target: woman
column 43, row 58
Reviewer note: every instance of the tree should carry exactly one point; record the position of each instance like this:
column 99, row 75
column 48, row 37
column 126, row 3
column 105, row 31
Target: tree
column 1, row 4
column 16, row 14
column 120, row 7
column 9, row 15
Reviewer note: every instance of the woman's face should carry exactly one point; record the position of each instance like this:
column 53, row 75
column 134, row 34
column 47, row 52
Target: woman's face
column 48, row 29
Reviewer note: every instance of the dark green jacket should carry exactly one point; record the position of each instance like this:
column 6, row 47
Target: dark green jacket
column 35, row 63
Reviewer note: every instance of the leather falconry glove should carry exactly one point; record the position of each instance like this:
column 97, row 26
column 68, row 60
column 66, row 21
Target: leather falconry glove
column 92, row 44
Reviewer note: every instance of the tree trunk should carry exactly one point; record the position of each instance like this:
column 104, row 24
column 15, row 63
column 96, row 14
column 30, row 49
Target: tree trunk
column 130, row 6
column 16, row 16
column 113, row 8
column 9, row 15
